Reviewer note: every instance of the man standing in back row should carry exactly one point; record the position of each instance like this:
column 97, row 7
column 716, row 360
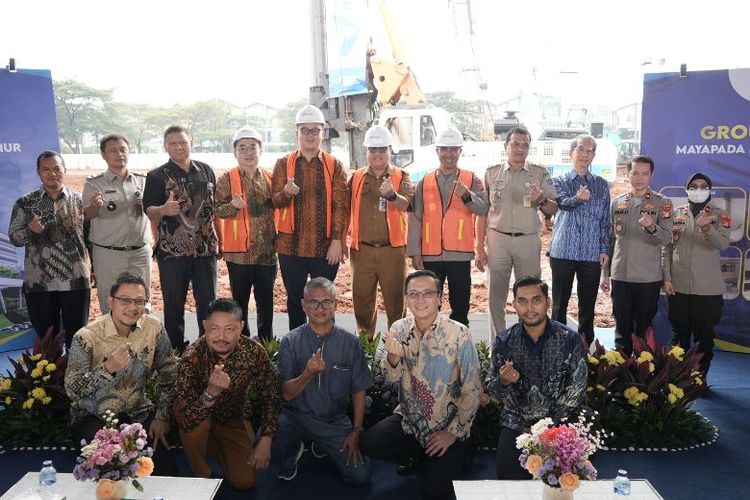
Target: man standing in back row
column 309, row 193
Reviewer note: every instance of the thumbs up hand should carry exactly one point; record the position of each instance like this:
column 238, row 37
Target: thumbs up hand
column 291, row 189
column 171, row 207
column 386, row 188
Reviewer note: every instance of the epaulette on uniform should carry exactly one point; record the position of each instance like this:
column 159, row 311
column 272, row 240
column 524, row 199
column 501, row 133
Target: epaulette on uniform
column 95, row 176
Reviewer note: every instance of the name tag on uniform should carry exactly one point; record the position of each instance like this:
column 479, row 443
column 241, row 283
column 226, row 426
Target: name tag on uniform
column 527, row 201
column 382, row 205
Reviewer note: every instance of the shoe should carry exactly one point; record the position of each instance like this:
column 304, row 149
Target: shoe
column 316, row 451
column 288, row 470
column 408, row 468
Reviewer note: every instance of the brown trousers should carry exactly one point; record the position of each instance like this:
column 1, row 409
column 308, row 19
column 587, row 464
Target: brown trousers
column 370, row 266
column 230, row 444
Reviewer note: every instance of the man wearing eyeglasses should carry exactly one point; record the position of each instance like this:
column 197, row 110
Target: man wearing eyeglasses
column 243, row 203
column 434, row 362
column 179, row 199
column 109, row 363
column 508, row 238
column 322, row 370
column 580, row 237
column 441, row 226
column 311, row 201
column 120, row 232
column 380, row 195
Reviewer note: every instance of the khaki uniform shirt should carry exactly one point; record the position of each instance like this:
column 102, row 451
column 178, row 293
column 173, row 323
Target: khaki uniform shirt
column 691, row 260
column 121, row 221
column 635, row 255
column 511, row 209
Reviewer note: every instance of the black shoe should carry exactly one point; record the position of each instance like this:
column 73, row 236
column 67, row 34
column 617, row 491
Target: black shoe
column 408, row 468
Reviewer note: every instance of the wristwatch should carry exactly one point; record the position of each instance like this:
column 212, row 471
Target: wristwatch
column 542, row 203
column 358, row 428
column 207, row 398
column 392, row 197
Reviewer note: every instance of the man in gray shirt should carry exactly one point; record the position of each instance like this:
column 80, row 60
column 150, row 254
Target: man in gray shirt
column 322, row 368
column 441, row 227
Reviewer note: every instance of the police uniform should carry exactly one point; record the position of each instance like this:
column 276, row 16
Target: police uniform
column 635, row 262
column 512, row 233
column 692, row 263
column 120, row 235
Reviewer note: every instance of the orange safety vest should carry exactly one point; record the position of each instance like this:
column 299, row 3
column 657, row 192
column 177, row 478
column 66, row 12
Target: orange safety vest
column 285, row 215
column 452, row 231
column 394, row 218
column 237, row 234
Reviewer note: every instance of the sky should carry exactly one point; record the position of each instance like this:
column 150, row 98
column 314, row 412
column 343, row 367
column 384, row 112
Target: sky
column 166, row 52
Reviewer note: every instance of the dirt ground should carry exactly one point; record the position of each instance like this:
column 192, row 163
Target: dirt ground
column 479, row 297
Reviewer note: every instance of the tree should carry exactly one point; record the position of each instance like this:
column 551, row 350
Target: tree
column 286, row 117
column 80, row 110
column 467, row 115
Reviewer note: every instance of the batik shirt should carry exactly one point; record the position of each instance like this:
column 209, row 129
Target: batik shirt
column 56, row 259
column 553, row 374
column 93, row 390
column 252, row 376
column 438, row 378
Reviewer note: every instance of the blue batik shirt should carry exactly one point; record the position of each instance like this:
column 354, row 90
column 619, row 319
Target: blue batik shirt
column 581, row 230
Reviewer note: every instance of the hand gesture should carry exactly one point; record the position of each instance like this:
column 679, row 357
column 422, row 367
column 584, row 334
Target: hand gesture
column 460, row 189
column 508, row 374
column 703, row 221
column 290, row 188
column 350, row 449
column 238, row 201
column 386, row 188
column 118, row 359
column 535, row 193
column 35, row 225
column 171, row 207
column 583, row 193
column 218, row 380
column 668, row 288
column 261, row 455
column 646, row 221
column 393, row 346
column 158, row 431
column 604, row 285
column 96, row 200
column 439, row 443
column 315, row 364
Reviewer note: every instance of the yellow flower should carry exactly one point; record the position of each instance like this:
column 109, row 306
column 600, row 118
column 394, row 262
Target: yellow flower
column 51, row 367
column 593, row 360
column 28, row 404
column 46, row 400
column 600, row 387
column 589, row 389
column 698, row 381
column 651, row 367
column 614, row 358
column 4, row 384
column 634, row 396
column 21, row 361
column 672, row 398
column 35, row 357
column 45, row 378
column 8, row 400
column 676, row 352
column 695, row 373
column 645, row 356
column 36, row 372
column 38, row 393
column 42, row 363
column 679, row 393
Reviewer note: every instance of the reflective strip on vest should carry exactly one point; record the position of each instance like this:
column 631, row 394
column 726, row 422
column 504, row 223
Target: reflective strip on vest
column 236, row 229
column 452, row 231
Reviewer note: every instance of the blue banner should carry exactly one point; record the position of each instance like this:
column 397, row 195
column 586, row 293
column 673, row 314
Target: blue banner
column 27, row 127
column 347, row 35
column 701, row 122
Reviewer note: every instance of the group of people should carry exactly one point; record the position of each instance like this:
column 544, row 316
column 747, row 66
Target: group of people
column 300, row 217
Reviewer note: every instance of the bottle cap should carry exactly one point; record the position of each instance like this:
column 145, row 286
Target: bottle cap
column 622, row 472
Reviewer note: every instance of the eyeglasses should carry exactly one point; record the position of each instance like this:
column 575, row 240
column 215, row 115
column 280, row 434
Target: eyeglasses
column 178, row 144
column 127, row 301
column 315, row 132
column 247, row 149
column 317, row 304
column 581, row 149
column 421, row 294
column 449, row 149
column 520, row 145
column 378, row 150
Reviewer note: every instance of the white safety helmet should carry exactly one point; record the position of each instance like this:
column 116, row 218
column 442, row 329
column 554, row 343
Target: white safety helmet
column 247, row 133
column 309, row 114
column 450, row 138
column 377, row 136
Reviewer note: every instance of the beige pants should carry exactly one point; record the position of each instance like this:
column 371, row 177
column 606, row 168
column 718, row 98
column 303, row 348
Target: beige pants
column 505, row 253
column 230, row 444
column 370, row 266
column 109, row 264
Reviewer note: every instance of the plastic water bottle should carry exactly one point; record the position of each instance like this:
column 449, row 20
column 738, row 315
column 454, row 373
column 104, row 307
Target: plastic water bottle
column 48, row 474
column 622, row 484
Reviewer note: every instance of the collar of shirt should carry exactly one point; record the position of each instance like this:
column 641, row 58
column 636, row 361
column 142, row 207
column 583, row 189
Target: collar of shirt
column 112, row 177
column 572, row 174
column 177, row 167
column 310, row 333
column 111, row 331
column 507, row 166
column 64, row 193
column 433, row 328
column 535, row 348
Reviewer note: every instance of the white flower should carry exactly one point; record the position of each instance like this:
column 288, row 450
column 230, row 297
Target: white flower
column 140, row 443
column 523, row 440
column 540, row 426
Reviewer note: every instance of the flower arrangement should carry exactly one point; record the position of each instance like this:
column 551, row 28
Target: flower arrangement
column 113, row 455
column 32, row 395
column 645, row 398
column 559, row 454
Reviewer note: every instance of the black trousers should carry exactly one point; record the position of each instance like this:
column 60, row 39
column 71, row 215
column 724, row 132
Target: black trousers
column 386, row 440
column 45, row 308
column 634, row 306
column 506, row 460
column 587, row 275
column 242, row 280
column 458, row 274
column 694, row 317
column 164, row 462
column 294, row 273
column 175, row 275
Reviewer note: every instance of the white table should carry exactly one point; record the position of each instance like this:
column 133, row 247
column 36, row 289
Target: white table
column 640, row 489
column 171, row 488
